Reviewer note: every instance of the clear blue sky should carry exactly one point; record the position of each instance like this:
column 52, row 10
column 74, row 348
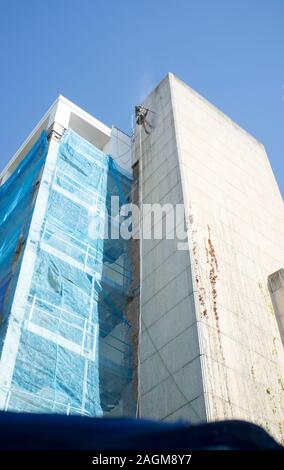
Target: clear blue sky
column 106, row 55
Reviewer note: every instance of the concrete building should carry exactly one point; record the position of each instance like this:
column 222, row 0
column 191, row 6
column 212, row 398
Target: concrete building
column 211, row 343
column 208, row 344
column 66, row 342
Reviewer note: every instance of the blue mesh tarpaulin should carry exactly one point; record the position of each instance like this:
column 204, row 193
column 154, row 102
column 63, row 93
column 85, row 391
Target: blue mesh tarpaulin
column 74, row 349
column 17, row 199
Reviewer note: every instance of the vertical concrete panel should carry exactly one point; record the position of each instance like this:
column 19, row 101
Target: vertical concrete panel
column 276, row 288
column 169, row 342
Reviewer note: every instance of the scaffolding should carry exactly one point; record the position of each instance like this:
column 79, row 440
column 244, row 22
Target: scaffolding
column 74, row 348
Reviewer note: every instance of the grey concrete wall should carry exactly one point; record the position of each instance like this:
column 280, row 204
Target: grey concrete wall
column 170, row 370
column 236, row 218
column 211, row 346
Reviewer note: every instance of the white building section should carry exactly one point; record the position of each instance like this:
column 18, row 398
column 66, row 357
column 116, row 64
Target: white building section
column 63, row 114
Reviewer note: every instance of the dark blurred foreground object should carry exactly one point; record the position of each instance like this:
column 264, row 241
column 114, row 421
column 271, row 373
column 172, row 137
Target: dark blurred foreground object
column 55, row 432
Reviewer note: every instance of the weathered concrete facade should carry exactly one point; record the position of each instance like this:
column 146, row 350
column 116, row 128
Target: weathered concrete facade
column 210, row 346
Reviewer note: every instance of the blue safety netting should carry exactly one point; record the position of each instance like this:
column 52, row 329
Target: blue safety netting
column 17, row 200
column 74, row 352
